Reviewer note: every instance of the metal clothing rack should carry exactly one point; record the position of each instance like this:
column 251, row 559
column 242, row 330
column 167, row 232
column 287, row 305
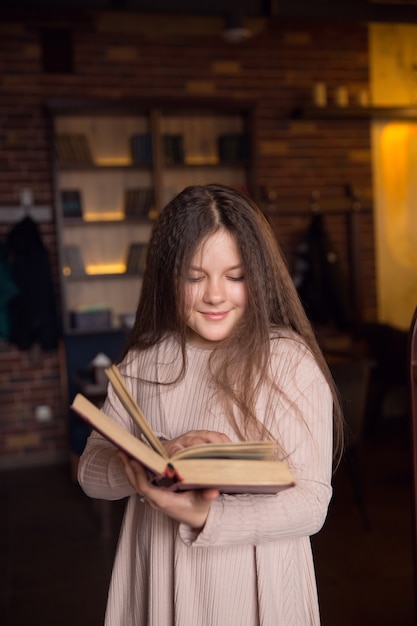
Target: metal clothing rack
column 14, row 214
column 349, row 207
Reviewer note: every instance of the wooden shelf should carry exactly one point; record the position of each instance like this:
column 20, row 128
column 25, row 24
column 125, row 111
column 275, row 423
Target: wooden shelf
column 354, row 112
column 79, row 221
column 95, row 277
column 196, row 166
column 96, row 168
column 110, row 330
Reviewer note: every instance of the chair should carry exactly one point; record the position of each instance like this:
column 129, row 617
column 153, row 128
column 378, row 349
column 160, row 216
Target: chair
column 352, row 380
column 412, row 368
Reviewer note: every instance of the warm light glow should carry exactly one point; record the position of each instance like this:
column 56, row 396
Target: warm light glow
column 109, row 216
column 113, row 161
column 399, row 164
column 395, row 165
column 66, row 270
column 392, row 49
column 106, row 268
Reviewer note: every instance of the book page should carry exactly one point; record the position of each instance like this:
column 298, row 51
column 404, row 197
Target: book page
column 249, row 450
column 233, row 475
column 133, row 409
column 262, row 450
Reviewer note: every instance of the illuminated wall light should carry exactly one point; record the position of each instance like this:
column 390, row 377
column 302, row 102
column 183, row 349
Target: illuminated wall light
column 395, row 163
column 399, row 164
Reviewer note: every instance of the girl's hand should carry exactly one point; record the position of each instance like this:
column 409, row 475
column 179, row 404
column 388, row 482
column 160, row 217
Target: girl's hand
column 188, row 507
column 194, row 438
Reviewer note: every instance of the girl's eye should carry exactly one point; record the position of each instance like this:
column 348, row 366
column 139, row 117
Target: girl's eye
column 236, row 278
column 194, row 279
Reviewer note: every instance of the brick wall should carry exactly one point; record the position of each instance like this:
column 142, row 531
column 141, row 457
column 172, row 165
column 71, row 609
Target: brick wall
column 120, row 57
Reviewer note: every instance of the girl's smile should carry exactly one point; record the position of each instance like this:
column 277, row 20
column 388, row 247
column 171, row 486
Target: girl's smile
column 214, row 316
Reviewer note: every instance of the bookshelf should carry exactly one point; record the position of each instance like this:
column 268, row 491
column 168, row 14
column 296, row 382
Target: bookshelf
column 115, row 168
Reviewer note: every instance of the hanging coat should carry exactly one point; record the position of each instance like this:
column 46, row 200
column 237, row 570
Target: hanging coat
column 33, row 311
column 8, row 290
column 318, row 277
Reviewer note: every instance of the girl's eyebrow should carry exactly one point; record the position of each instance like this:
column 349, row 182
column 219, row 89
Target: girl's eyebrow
column 239, row 266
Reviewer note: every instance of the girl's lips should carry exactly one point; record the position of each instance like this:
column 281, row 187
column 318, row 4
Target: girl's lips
column 211, row 315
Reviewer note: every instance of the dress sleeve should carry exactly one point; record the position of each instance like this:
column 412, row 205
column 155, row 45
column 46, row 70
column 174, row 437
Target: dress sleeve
column 303, row 425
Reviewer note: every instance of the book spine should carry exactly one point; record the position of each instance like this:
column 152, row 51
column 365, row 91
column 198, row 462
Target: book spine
column 71, row 203
column 141, row 149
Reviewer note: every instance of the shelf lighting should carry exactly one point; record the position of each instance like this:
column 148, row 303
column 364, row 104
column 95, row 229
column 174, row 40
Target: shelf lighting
column 105, row 268
column 110, row 216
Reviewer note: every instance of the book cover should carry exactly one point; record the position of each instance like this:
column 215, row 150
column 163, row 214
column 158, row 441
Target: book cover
column 233, row 147
column 73, row 149
column 141, row 149
column 173, row 149
column 136, row 258
column 73, row 264
column 138, row 202
column 71, row 203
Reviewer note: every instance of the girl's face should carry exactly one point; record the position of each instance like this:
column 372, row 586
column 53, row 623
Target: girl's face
column 216, row 293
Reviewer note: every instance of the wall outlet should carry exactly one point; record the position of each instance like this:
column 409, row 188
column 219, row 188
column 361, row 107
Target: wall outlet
column 43, row 413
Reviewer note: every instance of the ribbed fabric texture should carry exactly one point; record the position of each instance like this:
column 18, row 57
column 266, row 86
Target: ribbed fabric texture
column 252, row 563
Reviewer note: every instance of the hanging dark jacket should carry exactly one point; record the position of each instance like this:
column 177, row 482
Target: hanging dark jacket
column 8, row 290
column 33, row 311
column 319, row 279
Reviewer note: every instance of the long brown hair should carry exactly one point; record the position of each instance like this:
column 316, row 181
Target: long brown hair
column 272, row 300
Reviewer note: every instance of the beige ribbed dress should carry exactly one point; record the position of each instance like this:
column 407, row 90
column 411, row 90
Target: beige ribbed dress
column 252, row 563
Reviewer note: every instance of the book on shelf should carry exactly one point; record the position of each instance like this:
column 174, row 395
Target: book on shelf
column 136, row 258
column 141, row 149
column 233, row 147
column 71, row 203
column 138, row 202
column 173, row 146
column 72, row 149
column 244, row 467
column 72, row 261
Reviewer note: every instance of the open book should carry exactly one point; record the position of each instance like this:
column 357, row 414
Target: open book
column 244, row 467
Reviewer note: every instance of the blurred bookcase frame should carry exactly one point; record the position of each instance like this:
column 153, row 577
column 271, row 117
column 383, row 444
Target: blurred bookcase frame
column 116, row 165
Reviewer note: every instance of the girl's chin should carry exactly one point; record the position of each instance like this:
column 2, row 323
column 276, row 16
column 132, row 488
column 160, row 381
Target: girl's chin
column 203, row 341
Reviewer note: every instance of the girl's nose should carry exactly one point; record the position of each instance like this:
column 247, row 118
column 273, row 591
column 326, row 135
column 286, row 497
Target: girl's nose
column 214, row 292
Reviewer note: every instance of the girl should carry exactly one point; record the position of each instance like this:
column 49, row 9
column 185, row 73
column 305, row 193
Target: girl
column 220, row 350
